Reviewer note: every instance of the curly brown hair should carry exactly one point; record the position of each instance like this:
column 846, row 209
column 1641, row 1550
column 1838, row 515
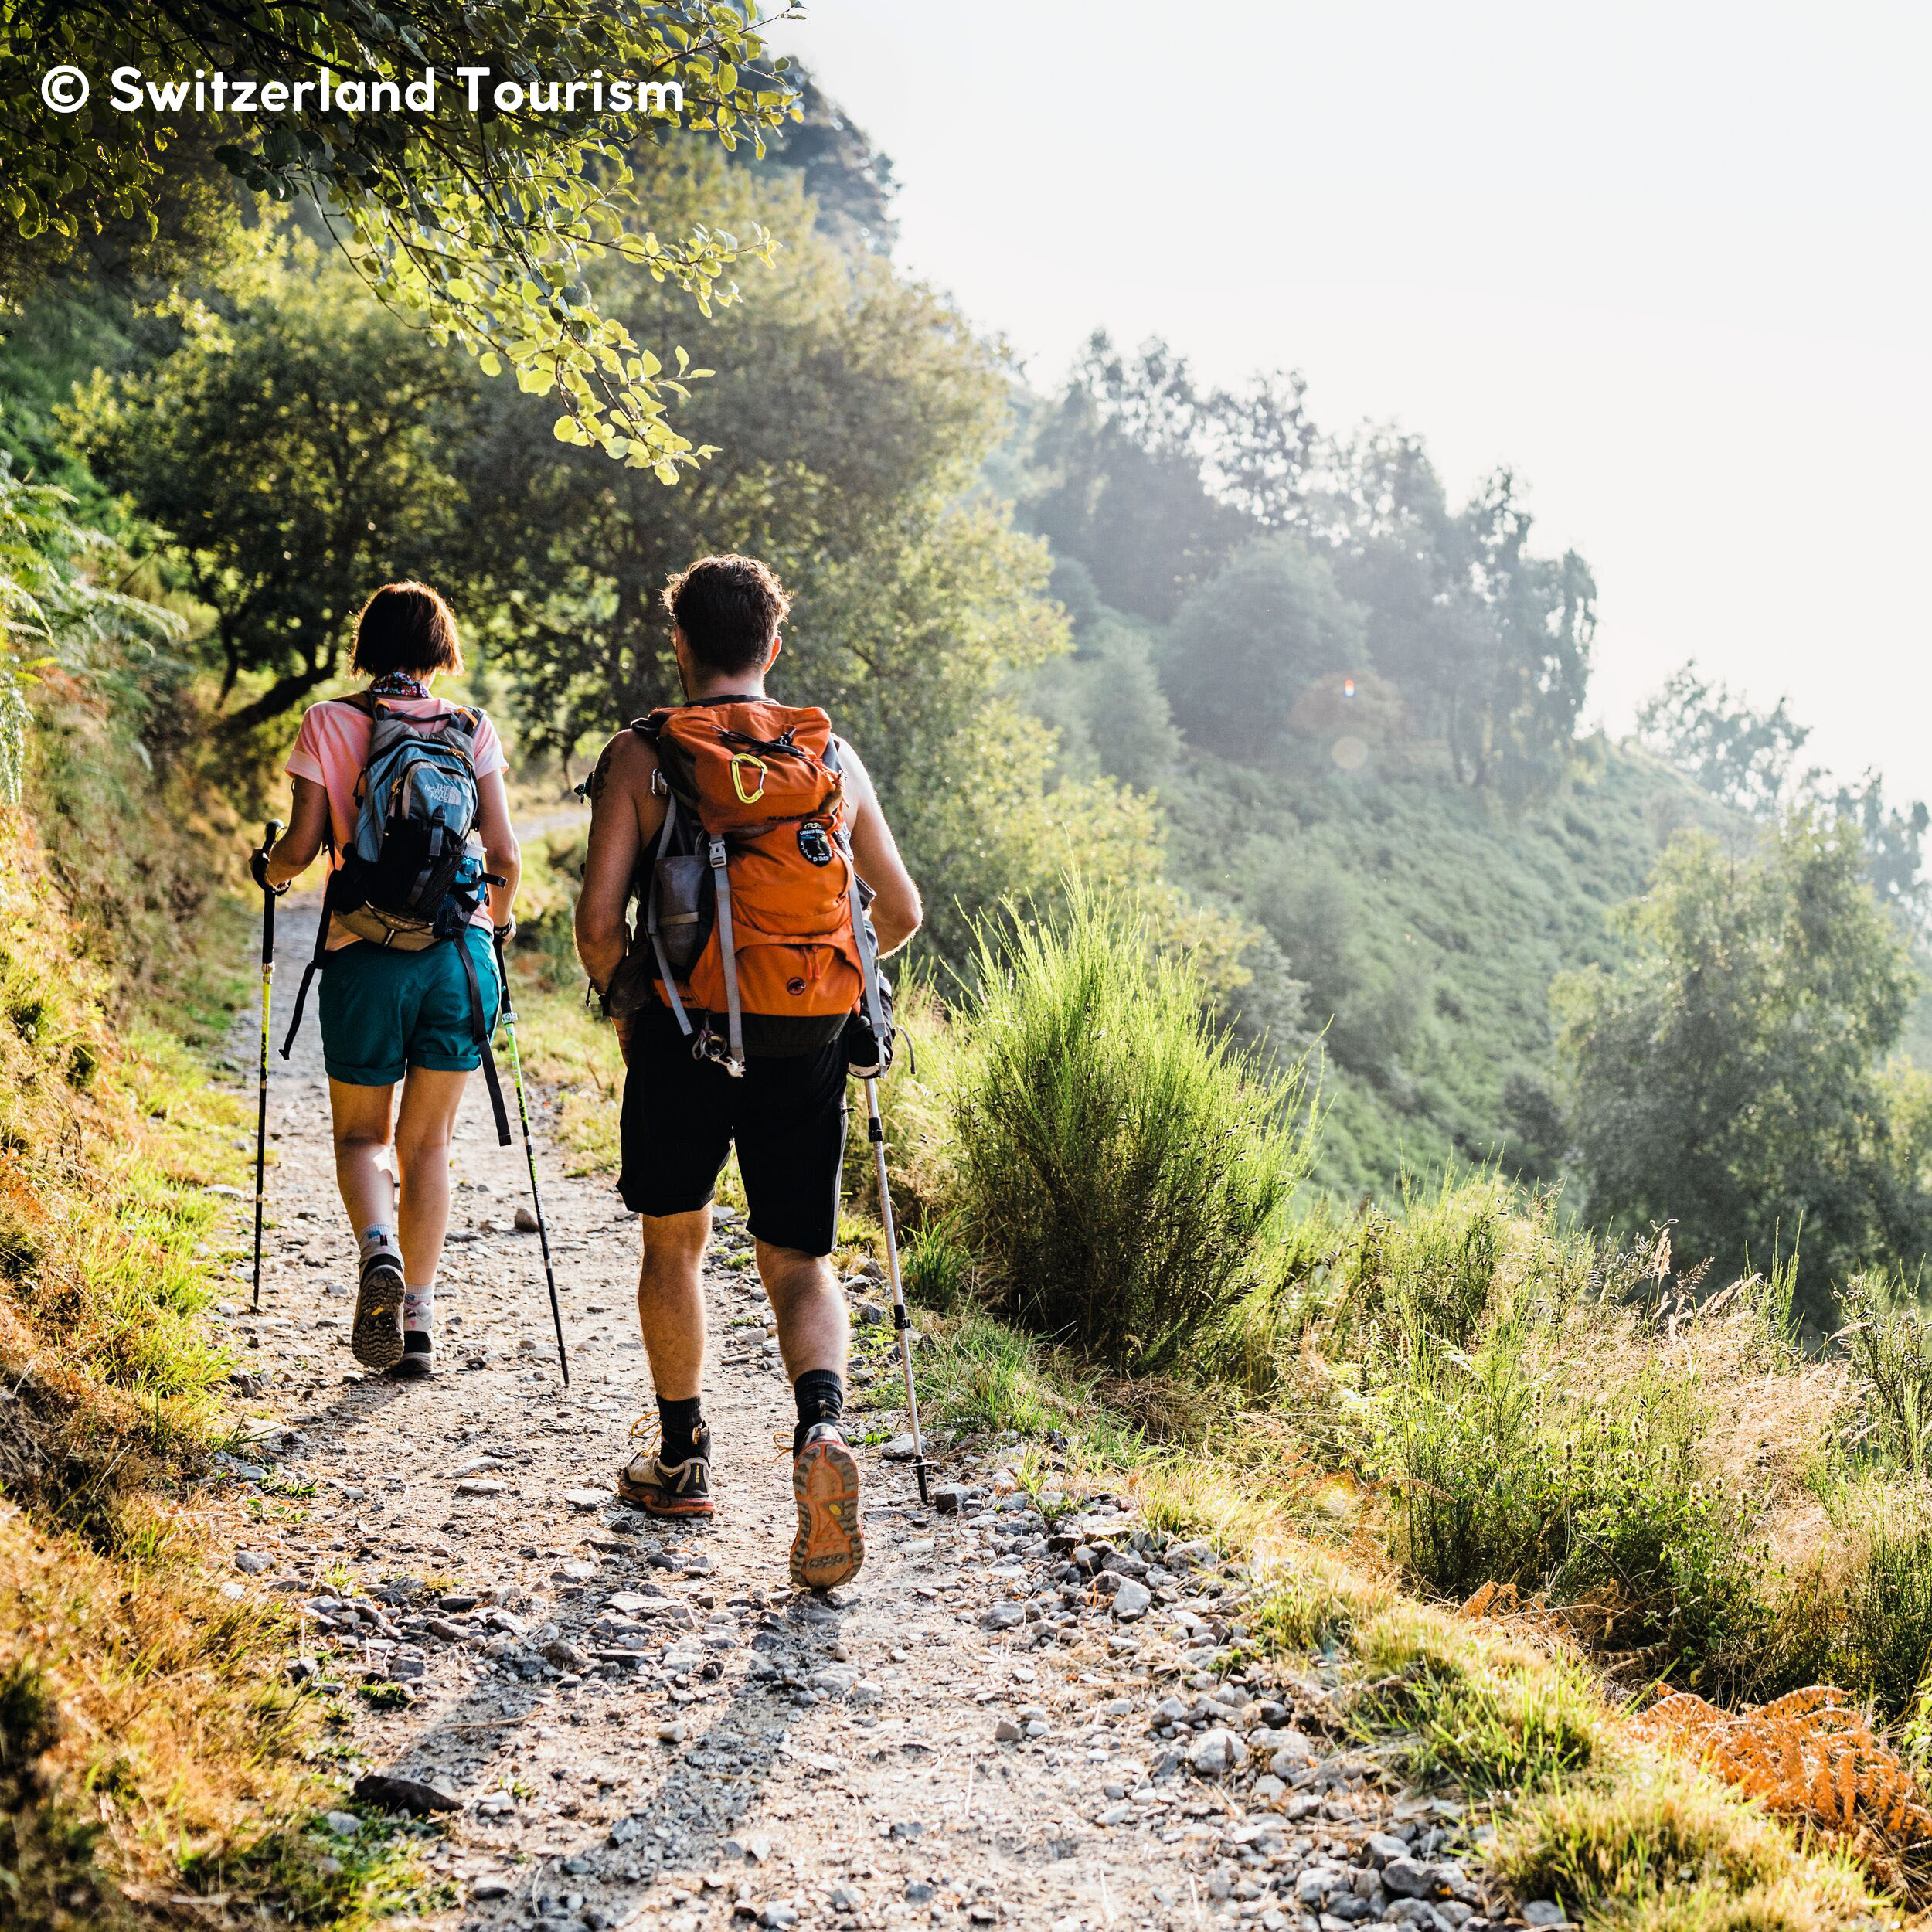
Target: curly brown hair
column 729, row 608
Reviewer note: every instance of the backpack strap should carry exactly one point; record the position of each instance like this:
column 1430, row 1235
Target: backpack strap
column 868, row 947
column 314, row 965
column 857, row 891
column 651, row 922
column 728, row 957
column 481, row 1034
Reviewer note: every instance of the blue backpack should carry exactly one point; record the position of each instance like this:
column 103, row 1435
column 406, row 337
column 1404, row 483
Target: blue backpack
column 413, row 875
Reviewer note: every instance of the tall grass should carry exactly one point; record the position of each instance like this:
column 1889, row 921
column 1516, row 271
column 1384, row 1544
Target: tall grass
column 1889, row 1351
column 1533, row 1431
column 1124, row 1172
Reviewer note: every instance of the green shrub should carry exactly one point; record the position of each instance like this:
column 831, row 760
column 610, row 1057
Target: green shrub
column 978, row 1375
column 546, row 905
column 1533, row 1436
column 936, row 1269
column 1886, row 1622
column 1125, row 1171
column 1889, row 1351
column 1473, row 1709
column 1504, row 1473
column 1427, row 1274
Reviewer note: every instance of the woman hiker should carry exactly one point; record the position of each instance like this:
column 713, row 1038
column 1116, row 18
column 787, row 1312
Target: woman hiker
column 419, row 1018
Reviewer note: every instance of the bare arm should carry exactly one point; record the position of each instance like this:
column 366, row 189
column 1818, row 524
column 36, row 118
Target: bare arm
column 296, row 849
column 501, row 856
column 624, row 816
column 897, row 911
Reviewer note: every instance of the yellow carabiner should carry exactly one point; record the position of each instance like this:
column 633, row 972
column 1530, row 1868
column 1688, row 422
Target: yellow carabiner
column 739, row 759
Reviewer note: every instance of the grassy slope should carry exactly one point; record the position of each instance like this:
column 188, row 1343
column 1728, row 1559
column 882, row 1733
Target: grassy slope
column 1468, row 910
column 148, row 1746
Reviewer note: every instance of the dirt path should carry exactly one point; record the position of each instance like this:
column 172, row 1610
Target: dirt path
column 645, row 1728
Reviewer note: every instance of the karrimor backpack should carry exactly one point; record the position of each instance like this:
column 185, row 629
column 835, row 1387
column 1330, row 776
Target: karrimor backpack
column 413, row 875
column 754, row 913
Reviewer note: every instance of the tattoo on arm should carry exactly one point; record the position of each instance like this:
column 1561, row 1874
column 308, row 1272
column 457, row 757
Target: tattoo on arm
column 600, row 776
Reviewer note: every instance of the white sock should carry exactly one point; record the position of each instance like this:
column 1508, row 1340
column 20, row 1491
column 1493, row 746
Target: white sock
column 379, row 1239
column 419, row 1307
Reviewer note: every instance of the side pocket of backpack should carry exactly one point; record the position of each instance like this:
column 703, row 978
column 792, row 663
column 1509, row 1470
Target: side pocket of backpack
column 686, row 899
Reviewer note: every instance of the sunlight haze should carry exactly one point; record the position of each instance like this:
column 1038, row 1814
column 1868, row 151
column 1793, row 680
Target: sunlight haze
column 1670, row 263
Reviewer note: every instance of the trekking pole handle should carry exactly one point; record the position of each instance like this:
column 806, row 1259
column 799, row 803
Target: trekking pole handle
column 269, row 838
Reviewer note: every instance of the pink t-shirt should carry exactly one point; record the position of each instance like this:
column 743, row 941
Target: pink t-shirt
column 329, row 751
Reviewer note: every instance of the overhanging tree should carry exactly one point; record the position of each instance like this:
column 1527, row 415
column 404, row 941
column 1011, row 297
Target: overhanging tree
column 854, row 407
column 482, row 227
column 292, row 453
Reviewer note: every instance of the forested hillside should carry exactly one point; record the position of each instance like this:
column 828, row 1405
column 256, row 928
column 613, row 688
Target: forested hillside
column 1358, row 707
column 1428, row 926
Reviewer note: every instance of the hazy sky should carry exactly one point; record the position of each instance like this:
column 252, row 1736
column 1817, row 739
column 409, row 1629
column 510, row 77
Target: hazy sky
column 1669, row 262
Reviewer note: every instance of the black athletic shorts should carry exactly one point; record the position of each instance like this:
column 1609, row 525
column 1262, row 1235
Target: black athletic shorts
column 787, row 1116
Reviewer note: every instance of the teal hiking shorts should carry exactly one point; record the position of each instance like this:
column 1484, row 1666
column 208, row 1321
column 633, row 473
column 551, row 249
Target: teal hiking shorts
column 383, row 1012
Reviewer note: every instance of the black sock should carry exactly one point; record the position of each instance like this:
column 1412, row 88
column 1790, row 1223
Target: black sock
column 682, row 1431
column 820, row 1394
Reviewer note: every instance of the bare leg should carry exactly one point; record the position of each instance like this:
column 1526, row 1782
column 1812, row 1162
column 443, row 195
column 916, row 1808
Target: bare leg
column 813, row 1329
column 360, row 1116
column 423, row 1123
column 670, row 1300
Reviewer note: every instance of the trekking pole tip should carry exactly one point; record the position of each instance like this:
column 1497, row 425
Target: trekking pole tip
column 919, row 1470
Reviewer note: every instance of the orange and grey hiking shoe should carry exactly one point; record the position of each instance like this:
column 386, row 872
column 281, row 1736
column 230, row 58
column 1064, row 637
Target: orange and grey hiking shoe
column 376, row 1339
column 661, row 1488
column 830, row 1545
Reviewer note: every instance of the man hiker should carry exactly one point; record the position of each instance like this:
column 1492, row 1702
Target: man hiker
column 754, row 841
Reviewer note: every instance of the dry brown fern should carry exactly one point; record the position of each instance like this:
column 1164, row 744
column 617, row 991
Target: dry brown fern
column 1811, row 1756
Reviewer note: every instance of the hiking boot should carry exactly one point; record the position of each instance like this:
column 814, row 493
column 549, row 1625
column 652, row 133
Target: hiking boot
column 830, row 1545
column 418, row 1360
column 661, row 1488
column 376, row 1339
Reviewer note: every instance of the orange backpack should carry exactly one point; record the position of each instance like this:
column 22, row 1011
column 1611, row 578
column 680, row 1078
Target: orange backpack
column 754, row 911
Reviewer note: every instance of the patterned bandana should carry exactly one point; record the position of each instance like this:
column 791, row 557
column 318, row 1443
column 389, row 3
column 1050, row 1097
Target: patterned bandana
column 397, row 684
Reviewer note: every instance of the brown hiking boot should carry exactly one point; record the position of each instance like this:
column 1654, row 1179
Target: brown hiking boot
column 830, row 1545
column 661, row 1488
column 376, row 1340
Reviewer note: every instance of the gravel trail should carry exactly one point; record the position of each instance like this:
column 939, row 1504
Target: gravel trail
column 1005, row 1719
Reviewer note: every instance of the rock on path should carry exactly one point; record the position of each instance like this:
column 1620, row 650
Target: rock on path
column 1005, row 1720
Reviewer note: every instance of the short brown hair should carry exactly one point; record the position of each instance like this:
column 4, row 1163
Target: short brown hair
column 407, row 627
column 729, row 608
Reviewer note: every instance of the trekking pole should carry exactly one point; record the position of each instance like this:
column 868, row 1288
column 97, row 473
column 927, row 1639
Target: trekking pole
column 268, row 838
column 875, row 1133
column 508, row 1017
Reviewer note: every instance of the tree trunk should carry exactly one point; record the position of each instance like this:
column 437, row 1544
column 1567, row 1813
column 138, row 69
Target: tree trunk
column 283, row 694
